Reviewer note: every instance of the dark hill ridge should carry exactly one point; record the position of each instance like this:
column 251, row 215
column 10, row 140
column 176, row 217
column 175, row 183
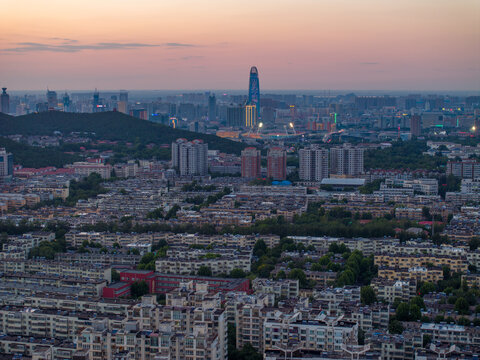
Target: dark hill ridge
column 109, row 126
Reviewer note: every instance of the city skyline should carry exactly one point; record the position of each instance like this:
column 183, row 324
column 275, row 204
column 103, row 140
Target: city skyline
column 304, row 45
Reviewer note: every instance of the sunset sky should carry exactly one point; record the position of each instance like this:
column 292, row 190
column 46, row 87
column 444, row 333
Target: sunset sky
column 210, row 44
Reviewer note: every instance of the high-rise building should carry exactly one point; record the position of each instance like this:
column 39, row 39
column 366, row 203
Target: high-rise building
column 346, row 161
column 123, row 102
column 235, row 116
column 254, row 90
column 313, row 164
column 277, row 163
column 190, row 157
column 415, row 125
column 96, row 101
column 212, row 108
column 4, row 101
column 251, row 163
column 66, row 103
column 52, row 100
column 6, row 163
column 251, row 116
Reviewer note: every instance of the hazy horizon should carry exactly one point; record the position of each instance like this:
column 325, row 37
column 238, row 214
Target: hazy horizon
column 189, row 44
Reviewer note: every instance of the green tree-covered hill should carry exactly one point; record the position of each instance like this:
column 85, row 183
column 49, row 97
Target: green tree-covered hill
column 113, row 126
column 31, row 156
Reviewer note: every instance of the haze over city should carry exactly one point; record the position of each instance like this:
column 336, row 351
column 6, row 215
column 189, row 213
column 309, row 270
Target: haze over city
column 303, row 44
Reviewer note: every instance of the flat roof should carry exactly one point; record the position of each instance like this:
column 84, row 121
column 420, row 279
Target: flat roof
column 340, row 181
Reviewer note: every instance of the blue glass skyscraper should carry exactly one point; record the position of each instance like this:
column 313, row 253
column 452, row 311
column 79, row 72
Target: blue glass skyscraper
column 254, row 90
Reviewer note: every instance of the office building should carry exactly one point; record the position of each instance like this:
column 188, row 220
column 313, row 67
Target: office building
column 190, row 157
column 313, row 164
column 254, row 90
column 235, row 116
column 415, row 125
column 251, row 163
column 346, row 161
column 123, row 102
column 277, row 163
column 212, row 108
column 4, row 102
column 251, row 116
column 6, row 163
column 52, row 100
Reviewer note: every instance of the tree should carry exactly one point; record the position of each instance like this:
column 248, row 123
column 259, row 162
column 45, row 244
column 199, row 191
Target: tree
column 204, row 271
column 300, row 276
column 237, row 273
column 415, row 313
column 403, row 312
column 417, row 300
column 462, row 306
column 367, row 295
column 115, row 275
column 260, row 248
column 427, row 287
column 138, row 289
column 427, row 339
column 395, row 327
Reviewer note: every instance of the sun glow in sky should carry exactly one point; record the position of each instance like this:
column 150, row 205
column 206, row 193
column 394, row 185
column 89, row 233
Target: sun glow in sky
column 211, row 44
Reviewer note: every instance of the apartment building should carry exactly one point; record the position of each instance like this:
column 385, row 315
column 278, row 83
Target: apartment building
column 418, row 273
column 456, row 264
column 286, row 288
column 389, row 290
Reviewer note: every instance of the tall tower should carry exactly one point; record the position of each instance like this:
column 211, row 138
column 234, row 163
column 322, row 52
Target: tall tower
column 4, row 101
column 254, row 90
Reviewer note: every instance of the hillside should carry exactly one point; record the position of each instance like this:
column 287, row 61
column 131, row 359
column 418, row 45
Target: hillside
column 109, row 126
column 31, row 156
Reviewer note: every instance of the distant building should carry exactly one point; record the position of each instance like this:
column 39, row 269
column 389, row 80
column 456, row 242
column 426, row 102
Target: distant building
column 415, row 125
column 52, row 99
column 251, row 116
column 6, row 163
column 235, row 116
column 277, row 163
column 212, row 108
column 313, row 164
column 96, row 101
column 346, row 161
column 87, row 168
column 251, row 163
column 123, row 102
column 254, row 90
column 190, row 158
column 66, row 103
column 4, row 102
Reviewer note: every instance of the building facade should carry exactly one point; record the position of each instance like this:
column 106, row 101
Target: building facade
column 251, row 163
